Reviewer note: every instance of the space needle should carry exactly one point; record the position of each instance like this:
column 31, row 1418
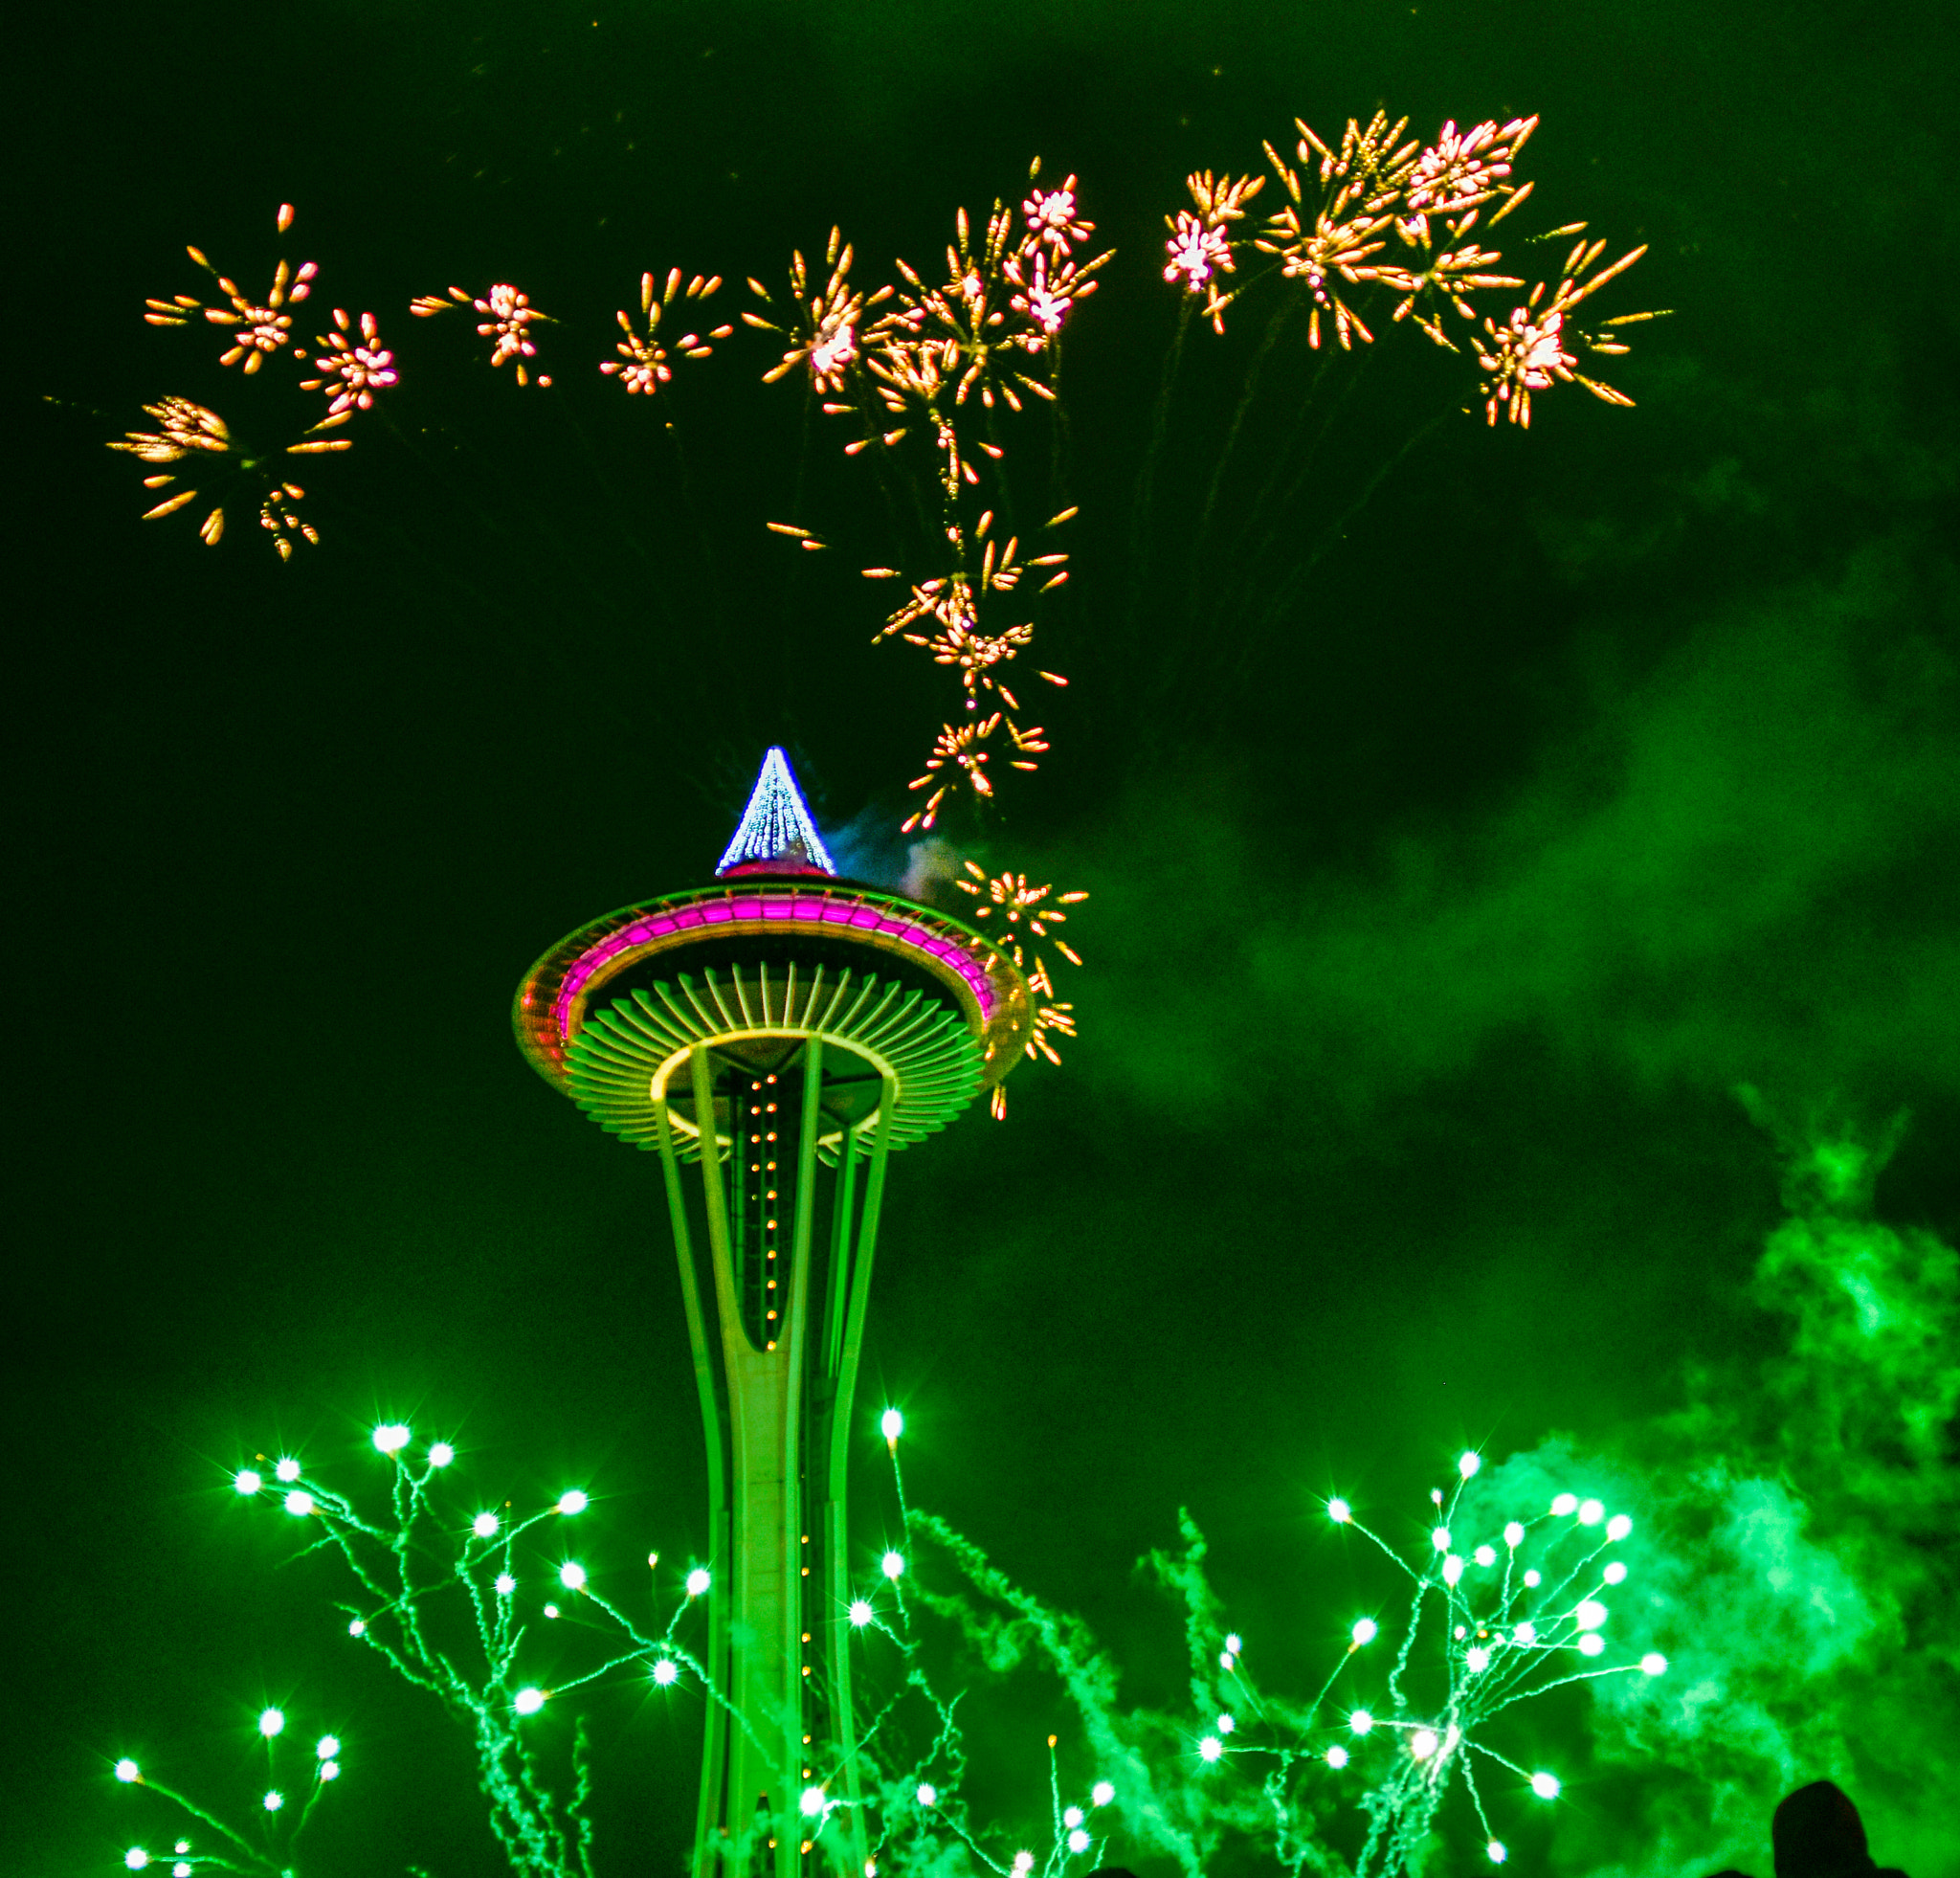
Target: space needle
column 774, row 1038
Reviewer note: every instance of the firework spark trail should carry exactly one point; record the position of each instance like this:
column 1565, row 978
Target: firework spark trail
column 920, row 1799
column 1277, row 323
column 1286, row 592
column 355, row 368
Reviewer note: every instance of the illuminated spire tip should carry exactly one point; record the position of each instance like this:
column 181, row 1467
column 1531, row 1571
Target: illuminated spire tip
column 775, row 832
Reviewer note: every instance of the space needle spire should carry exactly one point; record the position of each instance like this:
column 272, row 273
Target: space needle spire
column 775, row 828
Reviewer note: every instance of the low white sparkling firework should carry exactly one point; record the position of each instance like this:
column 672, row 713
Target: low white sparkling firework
column 1494, row 1618
column 1410, row 1712
column 298, row 1777
column 449, row 1597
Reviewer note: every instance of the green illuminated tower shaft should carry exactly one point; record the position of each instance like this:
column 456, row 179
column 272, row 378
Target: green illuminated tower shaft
column 787, row 1251
column 775, row 1037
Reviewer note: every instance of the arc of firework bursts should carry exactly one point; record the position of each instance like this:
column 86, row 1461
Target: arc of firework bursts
column 986, row 337
column 993, row 328
column 1333, row 234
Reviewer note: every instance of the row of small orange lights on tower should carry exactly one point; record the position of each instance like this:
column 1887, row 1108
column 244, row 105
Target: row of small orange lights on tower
column 760, row 1136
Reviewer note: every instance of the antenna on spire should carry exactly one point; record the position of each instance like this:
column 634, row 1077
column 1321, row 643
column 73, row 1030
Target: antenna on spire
column 777, row 834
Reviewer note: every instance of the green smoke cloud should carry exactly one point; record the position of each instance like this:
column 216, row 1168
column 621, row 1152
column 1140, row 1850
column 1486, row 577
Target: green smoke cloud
column 1736, row 869
column 1792, row 1553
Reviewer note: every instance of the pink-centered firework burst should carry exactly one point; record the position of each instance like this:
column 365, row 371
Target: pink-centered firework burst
column 1044, row 292
column 1196, row 252
column 1459, row 174
column 1053, row 216
column 978, row 334
column 1528, row 353
column 355, row 368
column 1200, row 244
column 822, row 326
column 507, row 321
column 642, row 364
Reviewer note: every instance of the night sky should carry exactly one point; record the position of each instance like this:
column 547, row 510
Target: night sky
column 1453, row 859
